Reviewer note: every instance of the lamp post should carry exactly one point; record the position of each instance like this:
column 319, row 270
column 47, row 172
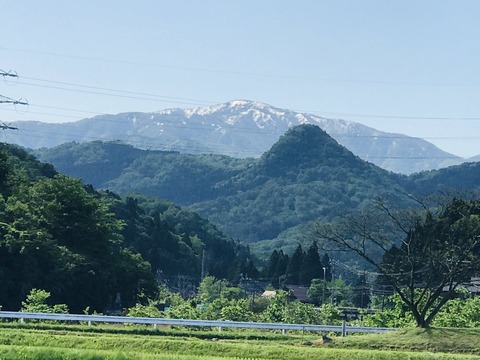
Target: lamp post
column 324, row 283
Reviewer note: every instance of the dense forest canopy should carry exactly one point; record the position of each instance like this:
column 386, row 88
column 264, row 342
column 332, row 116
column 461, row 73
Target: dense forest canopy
column 94, row 249
column 305, row 176
column 268, row 202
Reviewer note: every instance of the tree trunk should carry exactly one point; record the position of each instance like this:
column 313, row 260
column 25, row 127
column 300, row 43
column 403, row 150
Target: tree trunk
column 420, row 320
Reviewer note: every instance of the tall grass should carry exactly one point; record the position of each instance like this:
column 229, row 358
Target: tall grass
column 434, row 340
column 63, row 342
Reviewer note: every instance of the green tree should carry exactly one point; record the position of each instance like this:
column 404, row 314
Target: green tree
column 57, row 236
column 237, row 311
column 37, row 301
column 276, row 268
column 459, row 312
column 270, row 270
column 361, row 297
column 425, row 254
column 293, row 274
column 317, row 291
column 281, row 309
column 148, row 310
column 312, row 266
column 340, row 292
column 211, row 288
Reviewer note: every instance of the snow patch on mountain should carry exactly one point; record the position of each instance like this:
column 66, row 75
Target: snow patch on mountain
column 239, row 128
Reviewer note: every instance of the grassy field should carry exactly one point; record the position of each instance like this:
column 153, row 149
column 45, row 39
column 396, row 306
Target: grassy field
column 458, row 341
column 80, row 342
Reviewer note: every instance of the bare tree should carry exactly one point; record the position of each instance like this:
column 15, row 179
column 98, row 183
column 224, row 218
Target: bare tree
column 424, row 254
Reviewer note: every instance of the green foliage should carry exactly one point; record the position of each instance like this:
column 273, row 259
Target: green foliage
column 462, row 177
column 186, row 310
column 92, row 249
column 70, row 342
column 217, row 300
column 426, row 253
column 298, row 269
column 257, row 199
column 464, row 313
column 281, row 309
column 149, row 310
column 293, row 274
column 210, row 289
column 176, row 241
column 37, row 301
column 337, row 291
column 237, row 311
column 57, row 235
column 460, row 312
column 317, row 291
column 249, row 199
column 181, row 178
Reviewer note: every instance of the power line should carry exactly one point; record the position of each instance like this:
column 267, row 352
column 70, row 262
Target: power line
column 190, row 101
column 215, row 148
column 241, row 73
column 119, row 91
column 172, row 123
column 407, row 117
column 108, row 94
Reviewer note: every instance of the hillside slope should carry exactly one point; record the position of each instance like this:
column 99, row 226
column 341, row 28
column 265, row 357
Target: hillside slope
column 88, row 247
column 239, row 128
column 305, row 176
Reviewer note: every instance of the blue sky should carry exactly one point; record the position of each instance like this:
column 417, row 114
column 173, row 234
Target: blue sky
column 408, row 67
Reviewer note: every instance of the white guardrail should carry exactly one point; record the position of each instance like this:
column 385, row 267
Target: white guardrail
column 344, row 329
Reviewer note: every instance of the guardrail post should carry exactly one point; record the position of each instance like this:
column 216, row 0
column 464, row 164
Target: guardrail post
column 219, row 329
column 21, row 321
column 283, row 331
column 154, row 326
column 89, row 323
column 344, row 326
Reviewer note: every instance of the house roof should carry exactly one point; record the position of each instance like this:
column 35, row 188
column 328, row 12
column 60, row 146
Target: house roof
column 268, row 293
column 299, row 292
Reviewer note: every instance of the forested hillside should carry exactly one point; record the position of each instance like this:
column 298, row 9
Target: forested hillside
column 464, row 177
column 94, row 249
column 181, row 178
column 304, row 177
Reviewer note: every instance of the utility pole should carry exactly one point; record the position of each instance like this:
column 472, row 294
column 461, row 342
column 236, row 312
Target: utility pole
column 202, row 275
column 10, row 73
column 7, row 100
column 324, row 284
column 7, row 127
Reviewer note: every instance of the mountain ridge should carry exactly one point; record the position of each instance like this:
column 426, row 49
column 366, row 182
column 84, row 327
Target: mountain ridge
column 267, row 202
column 239, row 128
column 304, row 176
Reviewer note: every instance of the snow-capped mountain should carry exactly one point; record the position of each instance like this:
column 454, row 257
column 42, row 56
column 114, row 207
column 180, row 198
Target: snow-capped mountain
column 239, row 128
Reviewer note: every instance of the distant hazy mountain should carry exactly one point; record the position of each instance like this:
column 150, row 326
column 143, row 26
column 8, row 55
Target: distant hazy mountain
column 238, row 128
